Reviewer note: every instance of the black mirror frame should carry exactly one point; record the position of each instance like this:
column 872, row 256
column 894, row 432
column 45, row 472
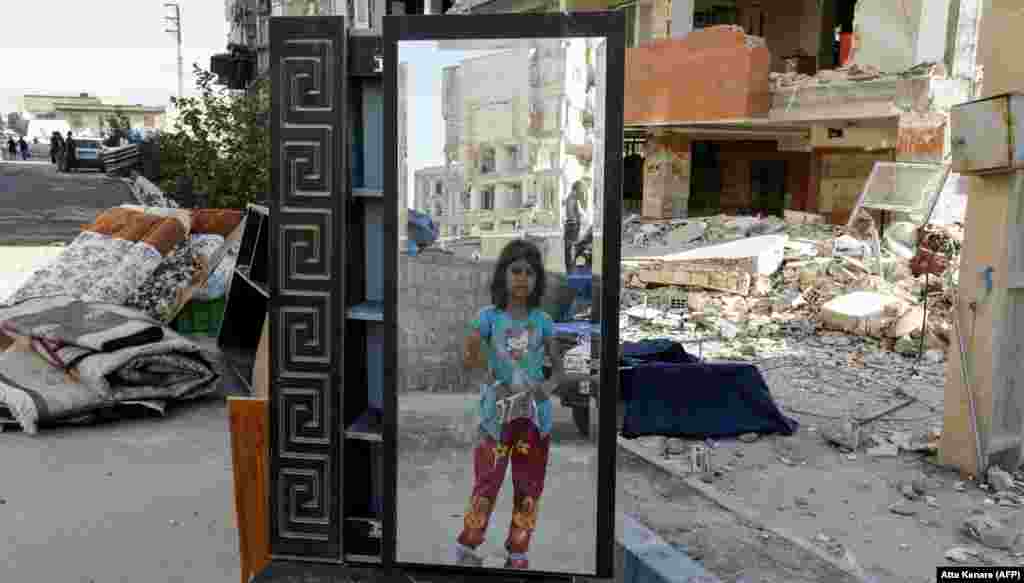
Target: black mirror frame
column 607, row 24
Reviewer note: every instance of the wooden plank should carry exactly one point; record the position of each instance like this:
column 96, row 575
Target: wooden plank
column 248, row 422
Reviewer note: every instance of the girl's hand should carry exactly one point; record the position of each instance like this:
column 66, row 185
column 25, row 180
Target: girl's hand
column 543, row 391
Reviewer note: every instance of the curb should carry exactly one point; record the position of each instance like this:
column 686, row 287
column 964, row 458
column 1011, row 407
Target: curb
column 737, row 507
column 646, row 558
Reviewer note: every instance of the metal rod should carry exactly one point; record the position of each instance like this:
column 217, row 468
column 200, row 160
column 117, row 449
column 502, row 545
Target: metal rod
column 924, row 323
column 966, row 379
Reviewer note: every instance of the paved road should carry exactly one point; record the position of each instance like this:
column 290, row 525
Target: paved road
column 39, row 205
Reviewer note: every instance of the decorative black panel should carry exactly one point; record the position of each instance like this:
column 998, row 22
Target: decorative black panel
column 306, row 253
column 307, row 216
column 307, row 168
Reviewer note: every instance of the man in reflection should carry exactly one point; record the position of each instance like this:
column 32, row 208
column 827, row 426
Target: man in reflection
column 505, row 350
column 573, row 216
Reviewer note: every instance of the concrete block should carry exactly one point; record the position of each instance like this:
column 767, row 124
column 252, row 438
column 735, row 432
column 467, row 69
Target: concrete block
column 765, row 253
column 859, row 312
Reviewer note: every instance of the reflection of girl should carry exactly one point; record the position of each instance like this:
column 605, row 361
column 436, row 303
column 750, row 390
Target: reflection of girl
column 509, row 339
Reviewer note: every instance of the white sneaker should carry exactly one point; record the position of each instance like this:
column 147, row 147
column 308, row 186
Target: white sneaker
column 466, row 557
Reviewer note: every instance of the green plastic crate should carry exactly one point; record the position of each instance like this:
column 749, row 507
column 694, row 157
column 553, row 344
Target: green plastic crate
column 200, row 318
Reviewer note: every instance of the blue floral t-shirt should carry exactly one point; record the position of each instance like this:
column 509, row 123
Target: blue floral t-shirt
column 512, row 345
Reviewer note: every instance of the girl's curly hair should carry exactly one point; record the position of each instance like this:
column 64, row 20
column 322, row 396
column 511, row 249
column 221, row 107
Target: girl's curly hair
column 514, row 251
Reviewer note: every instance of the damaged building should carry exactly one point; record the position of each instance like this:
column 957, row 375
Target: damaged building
column 746, row 106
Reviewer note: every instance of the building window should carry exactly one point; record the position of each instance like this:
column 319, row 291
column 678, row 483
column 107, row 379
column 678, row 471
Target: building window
column 513, row 157
column 549, row 197
column 487, row 198
column 487, row 160
column 437, row 188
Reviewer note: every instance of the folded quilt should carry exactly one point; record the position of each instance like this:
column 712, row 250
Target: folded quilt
column 73, row 358
column 110, row 258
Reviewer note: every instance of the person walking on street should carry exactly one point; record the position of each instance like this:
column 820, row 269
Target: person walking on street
column 571, row 232
column 12, row 149
column 69, row 153
column 23, row 146
column 56, row 144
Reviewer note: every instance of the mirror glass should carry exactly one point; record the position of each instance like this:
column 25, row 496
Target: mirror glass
column 501, row 180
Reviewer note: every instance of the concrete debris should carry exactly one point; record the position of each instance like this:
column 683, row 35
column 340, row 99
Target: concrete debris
column 771, row 279
column 904, row 509
column 988, row 530
column 845, row 433
column 851, row 72
column 1000, row 479
column 959, row 487
column 859, row 312
column 961, row 555
column 909, row 493
column 884, row 450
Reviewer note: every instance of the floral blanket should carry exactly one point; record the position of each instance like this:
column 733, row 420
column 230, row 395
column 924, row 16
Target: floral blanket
column 72, row 360
column 110, row 258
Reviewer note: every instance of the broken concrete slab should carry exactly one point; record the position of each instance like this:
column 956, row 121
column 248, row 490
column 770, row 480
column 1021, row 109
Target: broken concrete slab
column 857, row 311
column 686, row 233
column 909, row 323
column 1000, row 479
column 764, row 254
column 722, row 275
column 988, row 530
column 884, row 450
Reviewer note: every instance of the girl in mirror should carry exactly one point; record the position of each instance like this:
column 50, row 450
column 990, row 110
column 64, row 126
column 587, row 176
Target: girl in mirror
column 506, row 344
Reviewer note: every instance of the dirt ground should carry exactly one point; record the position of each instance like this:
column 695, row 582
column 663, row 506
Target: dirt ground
column 435, row 430
column 838, row 499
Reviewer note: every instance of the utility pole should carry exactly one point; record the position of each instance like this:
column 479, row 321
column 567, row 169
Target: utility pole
column 175, row 20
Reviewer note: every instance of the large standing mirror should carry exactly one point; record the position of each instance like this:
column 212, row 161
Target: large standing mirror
column 506, row 173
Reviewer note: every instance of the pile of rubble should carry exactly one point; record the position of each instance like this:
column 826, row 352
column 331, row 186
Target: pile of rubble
column 792, row 79
column 751, row 282
column 848, row 72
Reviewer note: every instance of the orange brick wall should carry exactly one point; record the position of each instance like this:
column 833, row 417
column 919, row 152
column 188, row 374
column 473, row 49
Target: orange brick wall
column 709, row 75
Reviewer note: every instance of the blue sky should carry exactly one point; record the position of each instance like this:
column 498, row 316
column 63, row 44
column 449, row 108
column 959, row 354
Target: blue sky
column 426, row 128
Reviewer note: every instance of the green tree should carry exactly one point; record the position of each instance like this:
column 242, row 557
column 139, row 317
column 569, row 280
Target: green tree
column 119, row 125
column 218, row 141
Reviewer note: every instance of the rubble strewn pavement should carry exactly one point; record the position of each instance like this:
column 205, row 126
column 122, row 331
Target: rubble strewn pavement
column 752, row 282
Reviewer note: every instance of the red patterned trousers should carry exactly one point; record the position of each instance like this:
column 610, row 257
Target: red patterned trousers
column 522, row 444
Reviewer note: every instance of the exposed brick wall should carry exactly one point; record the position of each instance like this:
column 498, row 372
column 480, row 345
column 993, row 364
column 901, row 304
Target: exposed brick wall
column 921, row 137
column 438, row 295
column 711, row 74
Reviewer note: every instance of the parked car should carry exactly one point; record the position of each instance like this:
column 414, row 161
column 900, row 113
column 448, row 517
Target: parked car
column 88, row 153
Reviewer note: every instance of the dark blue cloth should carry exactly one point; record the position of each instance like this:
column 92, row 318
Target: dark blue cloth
column 655, row 350
column 699, row 401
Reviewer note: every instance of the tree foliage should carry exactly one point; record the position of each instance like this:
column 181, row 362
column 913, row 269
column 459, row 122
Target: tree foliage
column 219, row 142
column 119, row 125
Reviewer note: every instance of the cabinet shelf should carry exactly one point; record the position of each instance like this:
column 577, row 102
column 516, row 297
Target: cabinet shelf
column 367, row 193
column 366, row 427
column 353, row 558
column 371, row 311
